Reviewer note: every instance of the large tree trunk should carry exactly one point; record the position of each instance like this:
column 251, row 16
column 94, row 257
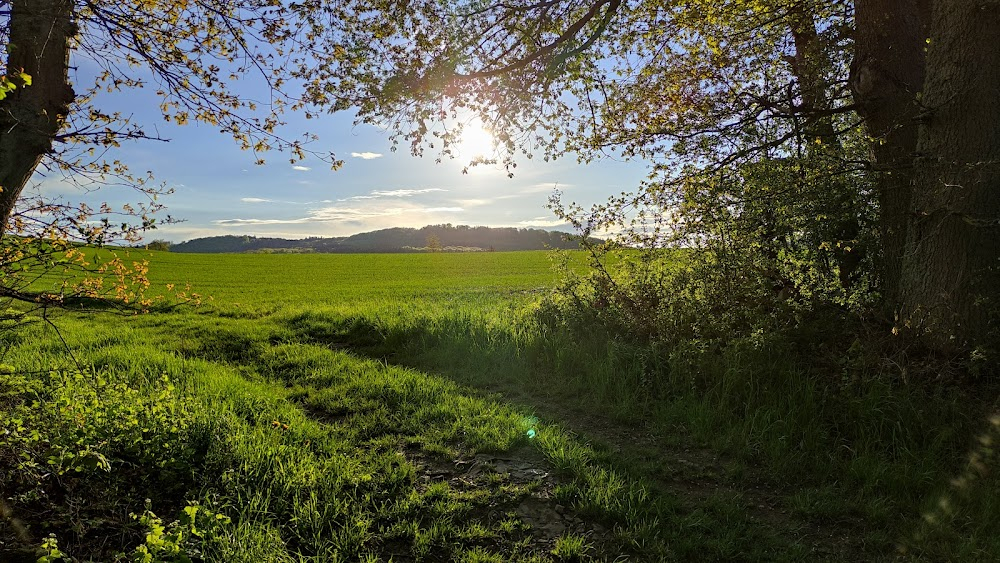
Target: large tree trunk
column 950, row 272
column 30, row 117
column 887, row 75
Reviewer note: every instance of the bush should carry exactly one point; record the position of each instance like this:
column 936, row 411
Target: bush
column 77, row 439
column 669, row 298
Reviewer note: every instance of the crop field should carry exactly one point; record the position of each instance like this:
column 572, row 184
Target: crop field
column 421, row 407
column 335, row 279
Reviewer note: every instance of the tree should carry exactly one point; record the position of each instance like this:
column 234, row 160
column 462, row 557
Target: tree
column 793, row 134
column 193, row 52
column 161, row 245
column 811, row 128
column 926, row 74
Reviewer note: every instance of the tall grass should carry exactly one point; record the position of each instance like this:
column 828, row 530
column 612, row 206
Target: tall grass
column 366, row 359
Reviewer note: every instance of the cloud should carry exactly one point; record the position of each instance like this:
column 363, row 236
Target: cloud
column 256, row 200
column 342, row 214
column 543, row 222
column 405, row 193
column 334, row 214
column 237, row 222
column 301, row 168
column 375, row 194
column 366, row 155
column 476, row 202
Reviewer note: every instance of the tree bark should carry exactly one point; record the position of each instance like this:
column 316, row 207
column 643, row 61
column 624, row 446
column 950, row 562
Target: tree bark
column 31, row 116
column 950, row 271
column 887, row 75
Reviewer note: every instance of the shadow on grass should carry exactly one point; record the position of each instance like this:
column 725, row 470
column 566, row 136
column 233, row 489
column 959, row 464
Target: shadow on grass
column 804, row 425
column 749, row 442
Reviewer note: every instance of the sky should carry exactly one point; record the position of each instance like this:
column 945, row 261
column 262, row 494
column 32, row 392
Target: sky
column 218, row 190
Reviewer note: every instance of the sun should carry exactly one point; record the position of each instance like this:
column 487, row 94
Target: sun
column 476, row 141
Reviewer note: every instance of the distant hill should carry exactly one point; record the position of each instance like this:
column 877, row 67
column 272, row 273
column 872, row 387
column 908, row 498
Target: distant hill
column 444, row 238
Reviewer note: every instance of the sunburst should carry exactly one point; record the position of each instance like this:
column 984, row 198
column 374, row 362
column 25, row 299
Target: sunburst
column 477, row 142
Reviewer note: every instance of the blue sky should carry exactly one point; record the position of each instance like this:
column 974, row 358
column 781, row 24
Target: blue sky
column 219, row 190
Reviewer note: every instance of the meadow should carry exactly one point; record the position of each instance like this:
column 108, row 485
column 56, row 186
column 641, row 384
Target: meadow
column 426, row 407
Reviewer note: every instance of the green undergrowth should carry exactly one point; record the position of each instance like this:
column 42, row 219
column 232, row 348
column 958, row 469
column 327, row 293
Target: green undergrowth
column 288, row 452
column 306, row 411
column 813, row 414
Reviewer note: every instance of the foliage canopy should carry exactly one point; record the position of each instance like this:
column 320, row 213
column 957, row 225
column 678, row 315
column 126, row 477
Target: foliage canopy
column 823, row 147
column 782, row 136
column 202, row 58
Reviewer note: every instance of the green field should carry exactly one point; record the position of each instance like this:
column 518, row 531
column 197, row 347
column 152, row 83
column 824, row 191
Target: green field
column 420, row 407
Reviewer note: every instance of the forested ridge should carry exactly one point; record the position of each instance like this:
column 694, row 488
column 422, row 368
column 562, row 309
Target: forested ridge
column 432, row 238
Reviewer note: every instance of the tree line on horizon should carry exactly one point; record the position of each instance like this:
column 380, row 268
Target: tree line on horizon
column 398, row 239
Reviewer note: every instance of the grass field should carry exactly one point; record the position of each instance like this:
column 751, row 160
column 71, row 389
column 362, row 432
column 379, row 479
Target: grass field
column 418, row 408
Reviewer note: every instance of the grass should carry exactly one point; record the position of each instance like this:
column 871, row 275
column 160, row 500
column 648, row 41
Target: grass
column 415, row 407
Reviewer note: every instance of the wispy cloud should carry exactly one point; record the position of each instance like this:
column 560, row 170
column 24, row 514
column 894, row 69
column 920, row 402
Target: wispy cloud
column 366, row 155
column 334, row 214
column 405, row 193
column 256, row 200
column 475, row 202
column 238, row 222
column 301, row 168
column 376, row 194
column 543, row 222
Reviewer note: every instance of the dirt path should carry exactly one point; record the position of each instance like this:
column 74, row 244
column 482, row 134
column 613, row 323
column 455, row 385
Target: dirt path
column 541, row 510
column 674, row 466
column 693, row 474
